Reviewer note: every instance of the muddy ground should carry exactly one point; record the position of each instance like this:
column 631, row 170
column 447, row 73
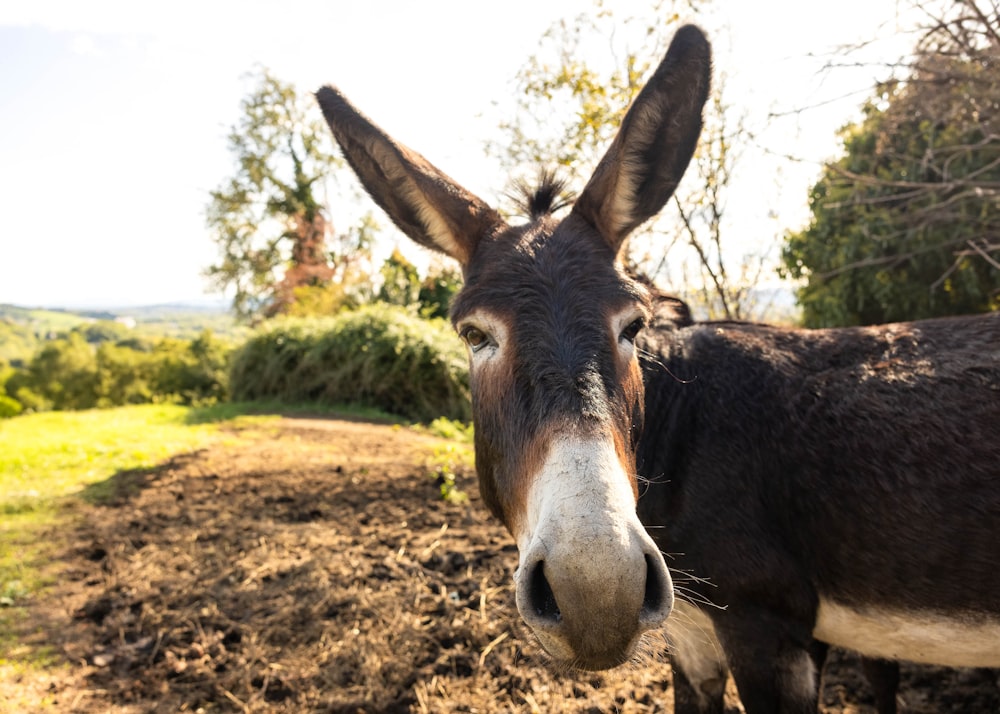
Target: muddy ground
column 310, row 566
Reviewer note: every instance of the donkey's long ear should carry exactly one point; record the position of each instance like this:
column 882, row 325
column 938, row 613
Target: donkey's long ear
column 655, row 143
column 426, row 205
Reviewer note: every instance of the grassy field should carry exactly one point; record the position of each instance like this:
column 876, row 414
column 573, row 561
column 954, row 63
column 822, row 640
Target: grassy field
column 49, row 461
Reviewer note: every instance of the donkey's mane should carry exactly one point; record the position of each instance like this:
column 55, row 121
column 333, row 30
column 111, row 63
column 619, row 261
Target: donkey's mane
column 542, row 197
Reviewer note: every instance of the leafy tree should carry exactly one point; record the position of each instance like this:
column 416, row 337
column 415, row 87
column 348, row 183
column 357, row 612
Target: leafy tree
column 437, row 290
column 558, row 82
column 9, row 406
column 124, row 376
column 17, row 342
column 103, row 331
column 269, row 220
column 69, row 373
column 400, row 281
column 192, row 371
column 402, row 285
column 906, row 223
column 564, row 80
column 63, row 373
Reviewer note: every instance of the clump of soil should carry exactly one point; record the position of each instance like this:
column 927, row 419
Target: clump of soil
column 314, row 568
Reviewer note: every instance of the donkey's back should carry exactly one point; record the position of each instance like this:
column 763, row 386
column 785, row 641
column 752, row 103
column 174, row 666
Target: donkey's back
column 841, row 484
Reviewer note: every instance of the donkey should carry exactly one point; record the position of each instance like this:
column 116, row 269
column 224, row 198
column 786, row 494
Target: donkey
column 837, row 487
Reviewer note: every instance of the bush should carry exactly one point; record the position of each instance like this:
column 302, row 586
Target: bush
column 69, row 373
column 193, row 372
column 64, row 373
column 124, row 376
column 9, row 407
column 379, row 356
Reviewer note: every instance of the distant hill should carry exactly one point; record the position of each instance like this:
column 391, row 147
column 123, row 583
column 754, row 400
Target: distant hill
column 23, row 329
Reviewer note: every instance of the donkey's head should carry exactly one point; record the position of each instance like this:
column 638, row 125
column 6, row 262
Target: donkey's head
column 550, row 320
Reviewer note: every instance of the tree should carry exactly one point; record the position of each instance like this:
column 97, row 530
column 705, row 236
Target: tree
column 906, row 223
column 63, row 373
column 400, row 281
column 271, row 226
column 559, row 82
column 439, row 286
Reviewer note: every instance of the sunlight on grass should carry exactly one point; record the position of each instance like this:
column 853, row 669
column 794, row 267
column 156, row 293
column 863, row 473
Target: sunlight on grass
column 50, row 455
column 53, row 464
column 47, row 461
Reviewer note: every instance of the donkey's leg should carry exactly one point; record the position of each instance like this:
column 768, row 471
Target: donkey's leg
column 697, row 661
column 883, row 678
column 773, row 661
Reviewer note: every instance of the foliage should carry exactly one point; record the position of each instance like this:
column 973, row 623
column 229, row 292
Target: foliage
column 905, row 224
column 69, row 373
column 9, row 407
column 566, row 79
column 558, row 82
column 451, row 429
column 379, row 355
column 268, row 220
column 64, row 373
column 101, row 331
column 437, row 290
column 17, row 341
column 444, row 465
column 402, row 285
column 400, row 281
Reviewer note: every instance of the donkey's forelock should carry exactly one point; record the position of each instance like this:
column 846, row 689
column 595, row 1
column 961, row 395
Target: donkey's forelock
column 542, row 197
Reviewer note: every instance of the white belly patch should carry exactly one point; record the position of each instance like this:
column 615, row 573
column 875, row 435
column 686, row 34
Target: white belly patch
column 928, row 637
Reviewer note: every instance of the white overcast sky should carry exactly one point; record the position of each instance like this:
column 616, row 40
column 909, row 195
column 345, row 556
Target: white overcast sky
column 113, row 115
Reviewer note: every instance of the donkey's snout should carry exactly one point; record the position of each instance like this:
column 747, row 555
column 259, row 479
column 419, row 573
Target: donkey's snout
column 589, row 607
column 590, row 580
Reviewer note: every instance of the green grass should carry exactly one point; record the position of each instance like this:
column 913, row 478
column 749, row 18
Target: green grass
column 52, row 460
column 51, row 463
column 46, row 457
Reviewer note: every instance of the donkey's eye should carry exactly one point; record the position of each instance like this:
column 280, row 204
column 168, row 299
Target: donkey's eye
column 475, row 338
column 632, row 330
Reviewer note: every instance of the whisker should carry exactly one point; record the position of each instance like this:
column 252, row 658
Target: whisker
column 653, row 359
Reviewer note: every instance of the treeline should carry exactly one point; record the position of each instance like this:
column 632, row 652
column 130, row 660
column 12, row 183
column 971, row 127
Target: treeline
column 384, row 356
column 99, row 365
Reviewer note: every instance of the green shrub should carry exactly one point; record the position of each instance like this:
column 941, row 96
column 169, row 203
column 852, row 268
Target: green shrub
column 124, row 376
column 69, row 373
column 64, row 373
column 379, row 356
column 9, row 407
column 192, row 371
column 265, row 366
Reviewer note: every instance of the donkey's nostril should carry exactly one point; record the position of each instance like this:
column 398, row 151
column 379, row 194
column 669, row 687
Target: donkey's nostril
column 543, row 600
column 657, row 599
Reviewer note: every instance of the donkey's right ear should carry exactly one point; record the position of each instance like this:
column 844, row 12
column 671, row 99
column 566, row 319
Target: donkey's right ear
column 427, row 206
column 657, row 138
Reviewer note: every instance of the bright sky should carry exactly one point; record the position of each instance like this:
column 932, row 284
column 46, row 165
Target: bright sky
column 113, row 115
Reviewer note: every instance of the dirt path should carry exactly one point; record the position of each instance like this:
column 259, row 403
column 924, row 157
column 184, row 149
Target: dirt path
column 311, row 567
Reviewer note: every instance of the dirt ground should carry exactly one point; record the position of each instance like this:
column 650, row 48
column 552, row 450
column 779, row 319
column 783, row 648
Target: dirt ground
column 310, row 566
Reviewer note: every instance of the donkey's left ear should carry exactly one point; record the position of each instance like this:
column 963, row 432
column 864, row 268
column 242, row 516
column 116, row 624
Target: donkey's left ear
column 427, row 206
column 657, row 138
